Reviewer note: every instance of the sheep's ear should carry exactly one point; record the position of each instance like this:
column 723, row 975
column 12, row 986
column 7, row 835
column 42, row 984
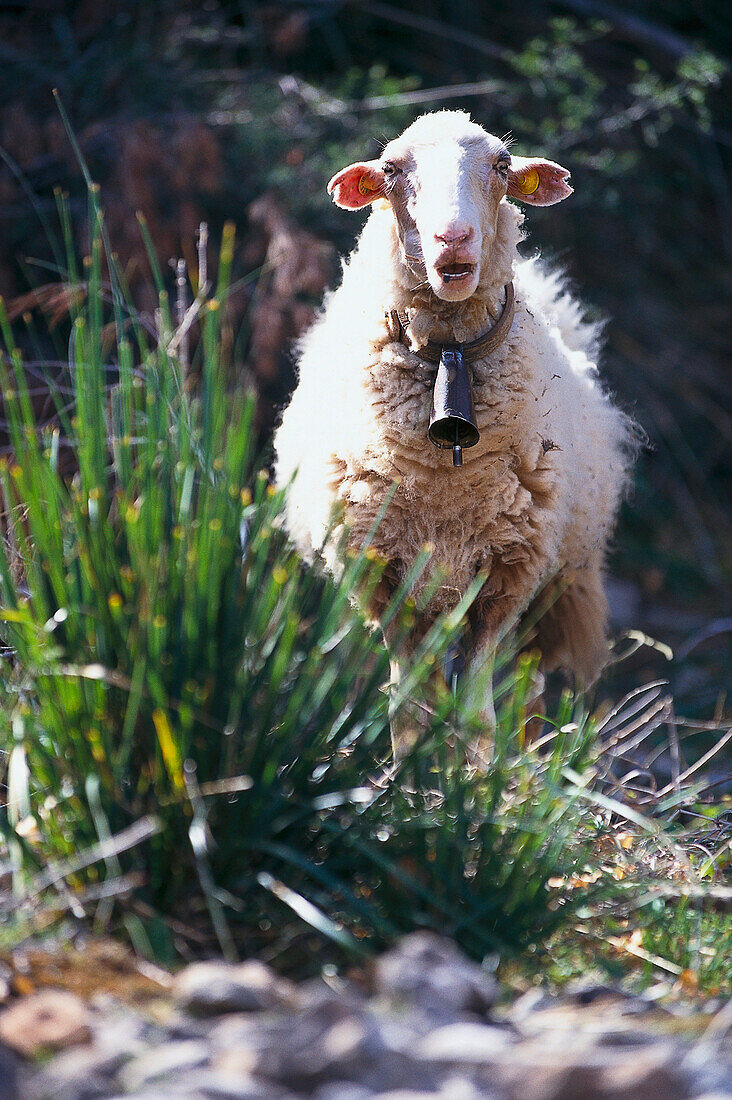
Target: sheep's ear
column 540, row 182
column 357, row 185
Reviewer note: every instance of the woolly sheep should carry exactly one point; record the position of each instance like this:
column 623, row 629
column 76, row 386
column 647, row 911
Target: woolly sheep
column 535, row 501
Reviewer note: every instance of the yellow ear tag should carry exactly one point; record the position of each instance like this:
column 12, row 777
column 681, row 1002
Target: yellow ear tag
column 365, row 186
column 528, row 183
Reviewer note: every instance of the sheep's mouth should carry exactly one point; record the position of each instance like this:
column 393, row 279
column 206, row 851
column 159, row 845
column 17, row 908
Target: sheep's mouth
column 452, row 273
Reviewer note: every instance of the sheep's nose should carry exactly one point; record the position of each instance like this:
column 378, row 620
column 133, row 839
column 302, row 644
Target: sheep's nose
column 455, row 234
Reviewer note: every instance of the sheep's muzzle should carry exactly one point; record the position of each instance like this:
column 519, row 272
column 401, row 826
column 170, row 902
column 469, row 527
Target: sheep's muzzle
column 453, row 272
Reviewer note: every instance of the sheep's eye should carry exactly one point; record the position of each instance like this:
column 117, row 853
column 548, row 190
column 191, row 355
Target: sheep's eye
column 390, row 169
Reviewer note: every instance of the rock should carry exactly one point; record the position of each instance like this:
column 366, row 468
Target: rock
column 584, row 1071
column 533, row 1000
column 456, row 1088
column 117, row 1039
column 592, row 993
column 314, row 1052
column 602, row 1019
column 649, row 1074
column 551, row 1082
column 8, row 1075
column 48, row 1020
column 118, row 1036
column 86, row 1071
column 584, row 992
column 316, row 995
column 419, row 1039
column 184, row 1091
column 72, row 1075
column 53, row 1085
column 342, row 1090
column 245, row 1035
column 214, row 988
column 709, row 1065
column 236, row 1062
column 214, row 1085
column 403, row 1032
column 463, row 1043
column 629, row 1037
column 156, row 1063
column 432, row 973
column 406, row 1094
column 5, row 984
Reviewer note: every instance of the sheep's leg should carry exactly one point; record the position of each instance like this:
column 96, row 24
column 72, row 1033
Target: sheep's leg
column 571, row 632
column 403, row 722
column 407, row 719
column 507, row 591
column 479, row 695
column 480, row 699
column 533, row 723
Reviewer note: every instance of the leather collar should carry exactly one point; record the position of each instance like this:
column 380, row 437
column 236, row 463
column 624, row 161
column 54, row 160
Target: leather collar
column 398, row 323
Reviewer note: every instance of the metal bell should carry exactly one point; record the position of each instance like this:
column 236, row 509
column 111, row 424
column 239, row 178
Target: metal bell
column 452, row 420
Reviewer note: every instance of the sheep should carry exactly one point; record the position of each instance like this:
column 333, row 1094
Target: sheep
column 534, row 502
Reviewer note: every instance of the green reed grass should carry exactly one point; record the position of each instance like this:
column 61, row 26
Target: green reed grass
column 195, row 723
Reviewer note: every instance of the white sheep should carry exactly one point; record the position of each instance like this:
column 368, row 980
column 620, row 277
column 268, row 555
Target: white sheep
column 535, row 500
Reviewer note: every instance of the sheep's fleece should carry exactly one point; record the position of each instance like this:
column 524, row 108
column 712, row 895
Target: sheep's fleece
column 534, row 503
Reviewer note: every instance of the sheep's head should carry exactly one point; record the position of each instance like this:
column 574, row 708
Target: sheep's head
column 445, row 178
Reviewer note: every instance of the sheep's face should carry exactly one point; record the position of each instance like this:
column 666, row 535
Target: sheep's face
column 445, row 178
column 445, row 195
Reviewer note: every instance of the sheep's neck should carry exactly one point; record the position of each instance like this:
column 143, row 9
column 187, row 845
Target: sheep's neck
column 430, row 318
column 493, row 337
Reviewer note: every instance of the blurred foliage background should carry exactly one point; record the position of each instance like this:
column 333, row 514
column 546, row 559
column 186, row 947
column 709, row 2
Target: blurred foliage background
column 241, row 111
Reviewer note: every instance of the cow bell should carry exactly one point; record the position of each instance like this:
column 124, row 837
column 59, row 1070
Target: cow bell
column 452, row 420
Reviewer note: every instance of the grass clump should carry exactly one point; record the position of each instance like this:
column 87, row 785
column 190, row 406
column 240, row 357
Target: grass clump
column 173, row 676
column 193, row 723
column 165, row 652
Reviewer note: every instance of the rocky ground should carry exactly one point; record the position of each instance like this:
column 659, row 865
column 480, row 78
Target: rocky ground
column 425, row 1022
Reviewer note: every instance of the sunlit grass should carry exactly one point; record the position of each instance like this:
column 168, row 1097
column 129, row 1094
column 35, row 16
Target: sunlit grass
column 194, row 725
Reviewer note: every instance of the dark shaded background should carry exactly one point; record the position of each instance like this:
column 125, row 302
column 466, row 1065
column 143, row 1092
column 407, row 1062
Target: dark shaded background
column 242, row 111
